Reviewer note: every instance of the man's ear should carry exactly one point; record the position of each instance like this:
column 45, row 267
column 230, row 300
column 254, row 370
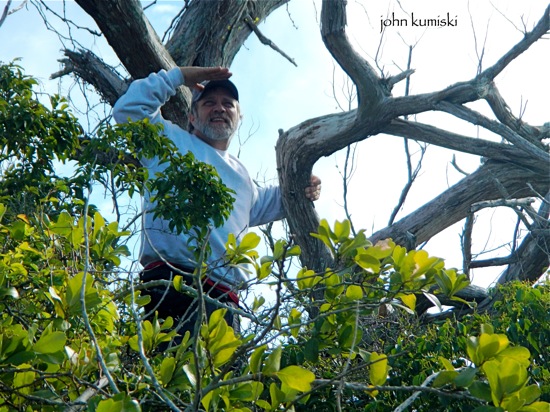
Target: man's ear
column 191, row 117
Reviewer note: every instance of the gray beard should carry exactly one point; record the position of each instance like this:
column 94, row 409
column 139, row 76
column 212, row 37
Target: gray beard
column 217, row 133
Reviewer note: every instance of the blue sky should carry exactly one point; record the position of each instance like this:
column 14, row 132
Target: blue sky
column 276, row 95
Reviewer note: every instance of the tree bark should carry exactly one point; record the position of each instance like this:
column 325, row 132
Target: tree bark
column 487, row 183
column 198, row 39
column 509, row 169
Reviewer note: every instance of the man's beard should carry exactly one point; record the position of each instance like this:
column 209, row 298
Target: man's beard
column 216, row 131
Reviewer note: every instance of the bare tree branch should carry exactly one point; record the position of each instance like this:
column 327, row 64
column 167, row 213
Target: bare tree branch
column 7, row 10
column 300, row 147
column 502, row 202
column 466, row 240
column 505, row 116
column 264, row 40
column 454, row 204
column 476, row 118
column 90, row 68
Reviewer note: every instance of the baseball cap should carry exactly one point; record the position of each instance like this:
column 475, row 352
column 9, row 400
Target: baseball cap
column 214, row 84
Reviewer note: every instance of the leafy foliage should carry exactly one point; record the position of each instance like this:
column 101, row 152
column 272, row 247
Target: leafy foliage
column 71, row 334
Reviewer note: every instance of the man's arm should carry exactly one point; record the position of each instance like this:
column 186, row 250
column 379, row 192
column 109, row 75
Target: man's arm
column 145, row 97
column 269, row 204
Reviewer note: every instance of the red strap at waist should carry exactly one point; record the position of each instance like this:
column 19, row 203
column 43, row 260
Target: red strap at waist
column 216, row 285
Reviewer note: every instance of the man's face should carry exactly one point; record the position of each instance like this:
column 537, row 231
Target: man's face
column 216, row 117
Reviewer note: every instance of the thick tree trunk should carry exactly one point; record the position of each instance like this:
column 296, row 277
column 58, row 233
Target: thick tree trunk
column 209, row 33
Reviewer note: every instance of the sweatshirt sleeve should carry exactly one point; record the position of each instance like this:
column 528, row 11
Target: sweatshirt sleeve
column 145, row 97
column 268, row 206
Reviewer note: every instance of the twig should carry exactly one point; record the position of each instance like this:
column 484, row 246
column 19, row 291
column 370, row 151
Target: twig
column 476, row 118
column 354, row 386
column 264, row 40
column 85, row 318
column 348, row 362
column 87, row 394
column 7, row 12
column 145, row 361
column 457, row 167
column 502, row 202
column 466, row 240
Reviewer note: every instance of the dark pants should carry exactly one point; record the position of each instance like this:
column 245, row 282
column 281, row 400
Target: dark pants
column 181, row 307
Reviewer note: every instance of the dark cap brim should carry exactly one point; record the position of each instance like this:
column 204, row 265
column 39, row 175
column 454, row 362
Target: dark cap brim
column 216, row 84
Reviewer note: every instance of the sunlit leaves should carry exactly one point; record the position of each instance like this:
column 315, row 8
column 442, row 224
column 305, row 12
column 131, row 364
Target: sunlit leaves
column 378, row 370
column 296, row 378
column 273, row 362
column 118, row 403
column 450, row 282
column 50, row 343
column 338, row 239
column 220, row 339
column 243, row 251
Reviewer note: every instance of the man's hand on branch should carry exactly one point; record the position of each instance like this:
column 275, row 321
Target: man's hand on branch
column 313, row 191
column 194, row 76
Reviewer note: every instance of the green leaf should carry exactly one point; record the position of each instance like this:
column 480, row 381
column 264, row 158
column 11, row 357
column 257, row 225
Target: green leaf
column 256, row 359
column 466, row 377
column 408, row 300
column 296, row 378
column 265, row 270
column 491, row 369
column 277, row 395
column 121, row 402
column 307, row 279
column 342, row 230
column 243, row 392
column 334, row 286
column 311, row 350
column 50, row 343
column 444, row 378
column 512, row 375
column 530, row 393
column 366, row 261
column 264, row 404
column 378, row 369
column 446, row 363
column 249, row 241
column 519, row 353
column 273, row 362
column 258, row 302
column 490, row 345
column 481, row 390
column 354, row 292
column 536, row 407
column 382, row 249
column 23, row 380
column 167, row 368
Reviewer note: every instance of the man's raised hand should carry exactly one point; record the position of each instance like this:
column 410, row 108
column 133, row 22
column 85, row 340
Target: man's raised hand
column 193, row 75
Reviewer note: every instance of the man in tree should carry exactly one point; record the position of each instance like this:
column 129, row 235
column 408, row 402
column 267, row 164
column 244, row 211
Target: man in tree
column 214, row 118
